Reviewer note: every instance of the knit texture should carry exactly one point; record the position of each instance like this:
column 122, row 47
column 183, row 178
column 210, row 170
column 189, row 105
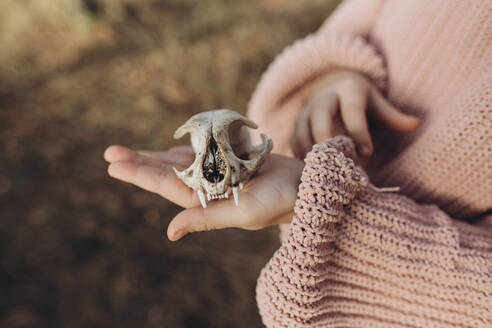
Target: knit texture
column 354, row 257
column 438, row 66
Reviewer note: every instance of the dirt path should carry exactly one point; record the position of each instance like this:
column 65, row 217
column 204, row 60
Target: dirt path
column 78, row 249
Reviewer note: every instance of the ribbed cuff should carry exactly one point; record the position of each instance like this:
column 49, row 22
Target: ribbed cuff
column 311, row 57
column 330, row 181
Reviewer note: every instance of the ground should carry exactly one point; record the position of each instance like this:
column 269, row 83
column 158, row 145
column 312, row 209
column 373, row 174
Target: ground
column 78, row 249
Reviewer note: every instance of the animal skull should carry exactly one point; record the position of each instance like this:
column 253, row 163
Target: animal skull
column 224, row 155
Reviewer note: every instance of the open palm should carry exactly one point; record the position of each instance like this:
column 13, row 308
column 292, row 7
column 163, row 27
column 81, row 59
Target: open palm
column 267, row 199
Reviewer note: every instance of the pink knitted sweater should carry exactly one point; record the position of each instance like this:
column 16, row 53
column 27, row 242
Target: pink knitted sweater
column 354, row 257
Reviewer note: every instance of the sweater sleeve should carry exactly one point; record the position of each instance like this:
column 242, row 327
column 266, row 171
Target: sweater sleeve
column 356, row 257
column 341, row 42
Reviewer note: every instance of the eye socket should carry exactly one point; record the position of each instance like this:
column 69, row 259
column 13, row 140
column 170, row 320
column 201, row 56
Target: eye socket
column 214, row 165
column 238, row 133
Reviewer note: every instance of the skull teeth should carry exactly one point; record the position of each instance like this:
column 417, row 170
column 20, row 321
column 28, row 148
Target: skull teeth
column 225, row 195
column 201, row 196
column 236, row 195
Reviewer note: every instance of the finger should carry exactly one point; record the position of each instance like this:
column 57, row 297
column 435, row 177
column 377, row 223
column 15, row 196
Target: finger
column 218, row 215
column 353, row 104
column 162, row 181
column 171, row 157
column 116, row 153
column 197, row 219
column 162, row 159
column 182, row 157
column 389, row 114
column 321, row 119
column 302, row 139
column 182, row 149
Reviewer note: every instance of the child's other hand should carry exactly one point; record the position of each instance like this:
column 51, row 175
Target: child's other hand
column 349, row 94
column 267, row 199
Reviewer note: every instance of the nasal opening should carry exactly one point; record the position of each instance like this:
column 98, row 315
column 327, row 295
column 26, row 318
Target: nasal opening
column 214, row 164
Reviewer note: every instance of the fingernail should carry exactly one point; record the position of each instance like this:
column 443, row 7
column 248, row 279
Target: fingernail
column 179, row 234
column 365, row 150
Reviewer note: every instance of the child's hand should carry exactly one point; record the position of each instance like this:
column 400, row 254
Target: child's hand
column 349, row 93
column 267, row 199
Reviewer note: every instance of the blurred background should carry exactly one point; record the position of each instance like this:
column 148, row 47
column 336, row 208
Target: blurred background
column 78, row 249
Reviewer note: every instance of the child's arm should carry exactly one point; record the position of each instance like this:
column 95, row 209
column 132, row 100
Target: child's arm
column 286, row 87
column 358, row 257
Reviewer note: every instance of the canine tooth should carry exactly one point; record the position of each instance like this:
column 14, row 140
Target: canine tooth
column 226, row 195
column 236, row 195
column 202, row 198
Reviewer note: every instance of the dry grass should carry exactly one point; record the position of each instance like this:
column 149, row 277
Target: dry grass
column 76, row 248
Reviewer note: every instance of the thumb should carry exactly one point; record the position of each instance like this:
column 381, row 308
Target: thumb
column 218, row 215
column 389, row 114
